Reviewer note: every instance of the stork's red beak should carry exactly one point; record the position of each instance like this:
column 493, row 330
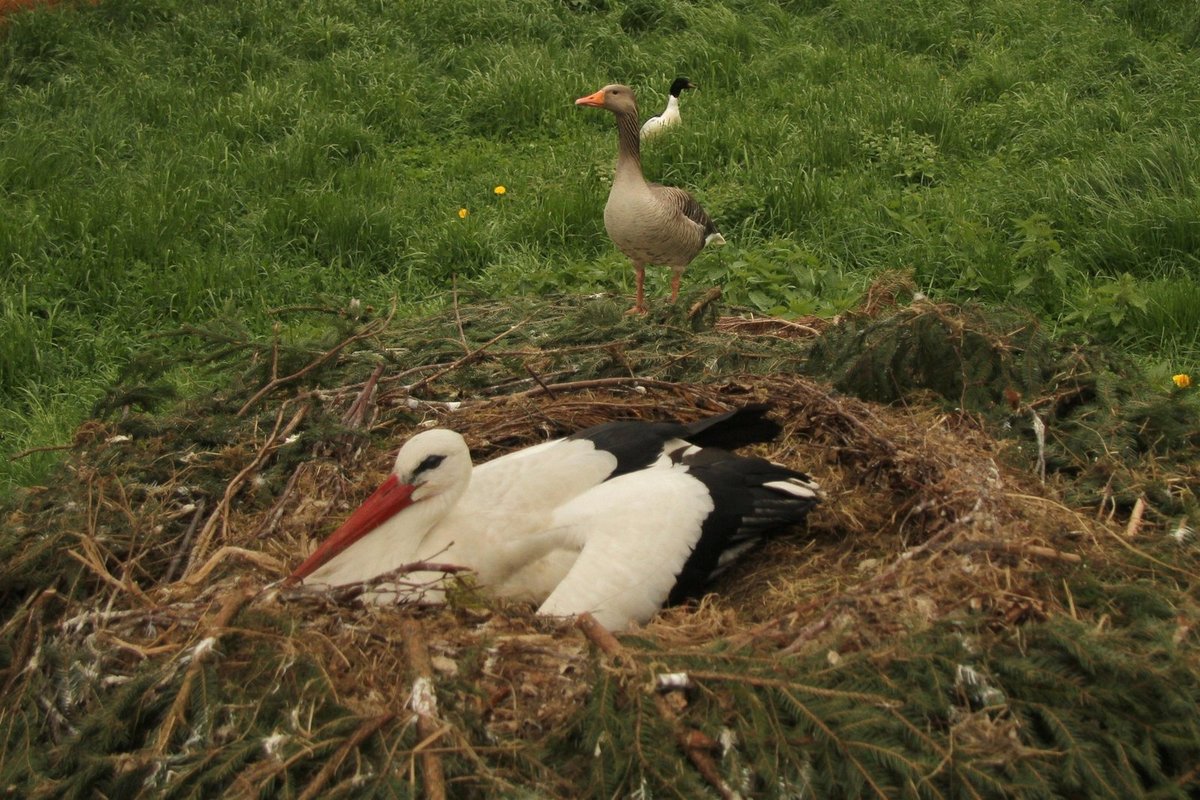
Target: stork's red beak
column 595, row 99
column 391, row 497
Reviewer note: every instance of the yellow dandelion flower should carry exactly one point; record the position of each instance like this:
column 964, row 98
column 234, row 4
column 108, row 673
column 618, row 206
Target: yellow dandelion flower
column 1182, row 380
column 500, row 189
column 462, row 213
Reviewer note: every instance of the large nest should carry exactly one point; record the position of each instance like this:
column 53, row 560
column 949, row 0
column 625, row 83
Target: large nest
column 953, row 621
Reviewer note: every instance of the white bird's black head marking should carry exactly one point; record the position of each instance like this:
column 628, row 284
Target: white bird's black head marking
column 680, row 84
column 429, row 463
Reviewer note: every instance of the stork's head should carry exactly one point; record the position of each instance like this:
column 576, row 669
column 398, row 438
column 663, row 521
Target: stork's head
column 433, row 462
column 433, row 466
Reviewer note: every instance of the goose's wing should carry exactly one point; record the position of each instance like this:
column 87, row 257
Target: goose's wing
column 683, row 203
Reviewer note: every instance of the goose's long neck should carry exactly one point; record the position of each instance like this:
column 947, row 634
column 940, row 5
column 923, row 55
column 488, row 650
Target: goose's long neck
column 629, row 154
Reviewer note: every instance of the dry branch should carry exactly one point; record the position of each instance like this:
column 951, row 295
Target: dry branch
column 467, row 359
column 356, row 415
column 368, row 331
column 707, row 299
column 424, row 704
column 1017, row 549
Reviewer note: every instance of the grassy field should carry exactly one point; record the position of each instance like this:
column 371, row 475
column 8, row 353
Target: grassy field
column 165, row 163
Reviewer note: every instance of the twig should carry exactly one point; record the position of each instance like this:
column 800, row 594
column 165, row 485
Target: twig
column 540, row 382
column 707, row 299
column 467, row 359
column 600, row 636
column 230, row 606
column 49, row 448
column 424, row 703
column 30, row 622
column 366, row 333
column 94, row 561
column 260, row 559
column 185, row 543
column 363, row 732
column 597, row 383
column 221, row 512
column 267, row 526
column 385, row 577
column 1189, row 777
column 1017, row 549
column 356, row 415
column 733, row 323
column 779, row 683
column 142, row 652
column 696, row 745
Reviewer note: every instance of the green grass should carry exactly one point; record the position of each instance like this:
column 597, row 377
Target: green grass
column 165, row 163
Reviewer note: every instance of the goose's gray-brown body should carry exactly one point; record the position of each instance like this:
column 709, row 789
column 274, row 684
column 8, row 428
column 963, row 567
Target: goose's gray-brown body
column 648, row 222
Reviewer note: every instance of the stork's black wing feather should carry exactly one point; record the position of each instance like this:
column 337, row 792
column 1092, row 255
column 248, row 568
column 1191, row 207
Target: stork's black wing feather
column 638, row 444
column 753, row 499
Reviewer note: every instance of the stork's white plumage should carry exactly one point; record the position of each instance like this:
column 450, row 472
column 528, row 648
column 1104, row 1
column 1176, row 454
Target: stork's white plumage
column 681, row 524
column 629, row 510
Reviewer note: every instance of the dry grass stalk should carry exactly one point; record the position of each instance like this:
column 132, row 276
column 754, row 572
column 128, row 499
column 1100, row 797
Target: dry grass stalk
column 1135, row 518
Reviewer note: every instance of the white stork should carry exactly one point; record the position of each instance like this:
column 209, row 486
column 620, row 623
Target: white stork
column 616, row 519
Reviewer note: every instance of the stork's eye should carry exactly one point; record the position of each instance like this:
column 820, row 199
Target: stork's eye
column 428, row 463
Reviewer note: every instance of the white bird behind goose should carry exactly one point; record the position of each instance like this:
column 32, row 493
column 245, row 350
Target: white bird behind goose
column 670, row 115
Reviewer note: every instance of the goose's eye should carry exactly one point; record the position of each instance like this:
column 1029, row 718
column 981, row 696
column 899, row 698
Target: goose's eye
column 428, row 463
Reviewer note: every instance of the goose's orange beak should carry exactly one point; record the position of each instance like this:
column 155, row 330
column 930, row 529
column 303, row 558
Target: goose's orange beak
column 595, row 100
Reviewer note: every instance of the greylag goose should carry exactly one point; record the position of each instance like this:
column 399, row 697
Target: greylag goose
column 670, row 115
column 648, row 222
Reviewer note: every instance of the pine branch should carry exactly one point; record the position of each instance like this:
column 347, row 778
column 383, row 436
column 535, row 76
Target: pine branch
column 696, row 745
column 831, row 736
column 364, row 731
column 230, row 606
